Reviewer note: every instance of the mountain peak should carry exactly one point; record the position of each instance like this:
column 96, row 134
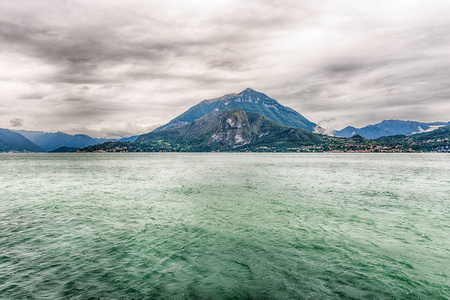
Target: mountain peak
column 248, row 100
column 253, row 93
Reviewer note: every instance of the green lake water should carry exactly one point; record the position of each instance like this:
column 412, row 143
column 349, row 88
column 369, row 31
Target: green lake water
column 224, row 226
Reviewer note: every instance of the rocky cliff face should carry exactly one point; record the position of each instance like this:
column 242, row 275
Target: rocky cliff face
column 233, row 130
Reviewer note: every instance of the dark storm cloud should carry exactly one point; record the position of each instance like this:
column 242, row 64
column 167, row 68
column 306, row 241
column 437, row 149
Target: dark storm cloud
column 85, row 65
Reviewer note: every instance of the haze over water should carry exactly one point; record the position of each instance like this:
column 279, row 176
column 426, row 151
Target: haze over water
column 224, row 226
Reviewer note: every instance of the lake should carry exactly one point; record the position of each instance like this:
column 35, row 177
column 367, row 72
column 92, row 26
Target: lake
column 224, row 226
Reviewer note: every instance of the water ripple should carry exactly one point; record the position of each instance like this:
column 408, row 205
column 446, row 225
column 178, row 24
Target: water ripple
column 220, row 226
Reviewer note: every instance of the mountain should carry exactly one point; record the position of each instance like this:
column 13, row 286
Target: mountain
column 248, row 100
column 242, row 131
column 13, row 141
column 231, row 129
column 389, row 127
column 236, row 130
column 51, row 141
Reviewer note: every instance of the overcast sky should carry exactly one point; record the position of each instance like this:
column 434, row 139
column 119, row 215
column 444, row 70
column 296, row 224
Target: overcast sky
column 118, row 68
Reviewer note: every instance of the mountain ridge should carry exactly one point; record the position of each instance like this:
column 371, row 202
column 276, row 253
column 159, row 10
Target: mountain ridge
column 13, row 141
column 389, row 128
column 248, row 100
column 50, row 141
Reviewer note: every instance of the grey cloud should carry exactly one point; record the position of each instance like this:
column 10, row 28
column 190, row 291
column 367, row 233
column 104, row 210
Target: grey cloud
column 226, row 64
column 344, row 68
column 82, row 53
column 326, row 126
column 117, row 61
column 32, row 96
column 16, row 122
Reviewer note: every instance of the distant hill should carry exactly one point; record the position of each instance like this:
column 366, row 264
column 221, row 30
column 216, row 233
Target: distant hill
column 437, row 140
column 51, row 141
column 438, row 134
column 64, row 149
column 248, row 100
column 387, row 128
column 13, row 141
